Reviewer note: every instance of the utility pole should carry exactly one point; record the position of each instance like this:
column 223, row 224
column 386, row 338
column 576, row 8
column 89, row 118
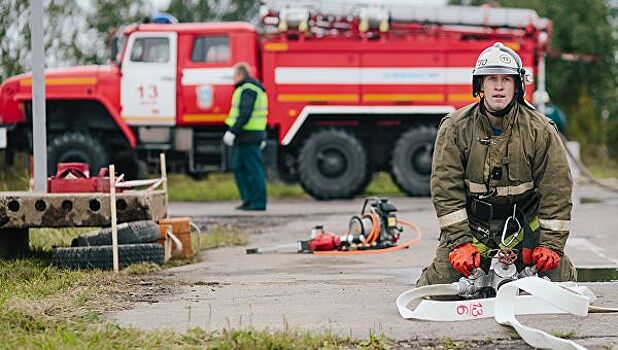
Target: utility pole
column 39, row 139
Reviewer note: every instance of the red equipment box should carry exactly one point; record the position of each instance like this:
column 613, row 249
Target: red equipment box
column 75, row 178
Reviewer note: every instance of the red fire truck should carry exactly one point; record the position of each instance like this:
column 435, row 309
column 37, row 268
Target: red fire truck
column 353, row 89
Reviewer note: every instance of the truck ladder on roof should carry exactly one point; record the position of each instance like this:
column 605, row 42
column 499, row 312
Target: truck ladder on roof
column 399, row 11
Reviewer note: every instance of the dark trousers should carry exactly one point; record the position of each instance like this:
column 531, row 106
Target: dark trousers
column 250, row 176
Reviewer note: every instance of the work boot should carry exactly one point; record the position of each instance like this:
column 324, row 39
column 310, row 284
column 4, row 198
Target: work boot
column 253, row 208
column 243, row 206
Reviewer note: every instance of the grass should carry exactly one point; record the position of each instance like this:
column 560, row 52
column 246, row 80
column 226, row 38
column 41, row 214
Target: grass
column 44, row 239
column 15, row 178
column 142, row 268
column 604, row 170
column 383, row 185
column 107, row 336
column 219, row 236
column 221, row 187
column 47, row 308
column 446, row 343
column 565, row 334
column 43, row 307
column 601, row 166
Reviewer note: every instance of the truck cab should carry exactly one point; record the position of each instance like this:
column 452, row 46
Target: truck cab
column 176, row 86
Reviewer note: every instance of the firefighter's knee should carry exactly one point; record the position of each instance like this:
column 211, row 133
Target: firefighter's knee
column 440, row 271
column 564, row 272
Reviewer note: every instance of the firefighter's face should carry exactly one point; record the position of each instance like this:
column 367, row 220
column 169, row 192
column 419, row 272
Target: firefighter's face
column 499, row 90
column 238, row 76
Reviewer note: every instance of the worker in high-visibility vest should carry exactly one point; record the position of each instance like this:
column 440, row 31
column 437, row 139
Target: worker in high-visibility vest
column 500, row 179
column 247, row 136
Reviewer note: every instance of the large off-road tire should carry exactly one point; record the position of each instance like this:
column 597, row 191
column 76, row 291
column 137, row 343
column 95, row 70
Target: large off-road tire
column 76, row 146
column 100, row 257
column 411, row 161
column 126, row 162
column 287, row 175
column 333, row 164
column 287, row 167
column 134, row 232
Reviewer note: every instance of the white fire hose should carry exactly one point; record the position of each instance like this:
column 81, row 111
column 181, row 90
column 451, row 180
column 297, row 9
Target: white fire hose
column 543, row 297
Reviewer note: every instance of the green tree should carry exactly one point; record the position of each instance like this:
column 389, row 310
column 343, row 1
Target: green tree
column 213, row 10
column 108, row 16
column 60, row 23
column 15, row 35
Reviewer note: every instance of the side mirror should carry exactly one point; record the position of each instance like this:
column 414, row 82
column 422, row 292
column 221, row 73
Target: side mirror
column 114, row 50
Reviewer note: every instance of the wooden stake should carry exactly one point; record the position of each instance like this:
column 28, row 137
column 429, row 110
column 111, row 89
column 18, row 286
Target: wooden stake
column 164, row 179
column 112, row 196
column 168, row 243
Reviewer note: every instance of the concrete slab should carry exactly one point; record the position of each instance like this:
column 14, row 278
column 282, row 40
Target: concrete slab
column 352, row 295
column 29, row 209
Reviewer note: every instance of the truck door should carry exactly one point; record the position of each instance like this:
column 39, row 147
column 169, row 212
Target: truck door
column 206, row 83
column 148, row 86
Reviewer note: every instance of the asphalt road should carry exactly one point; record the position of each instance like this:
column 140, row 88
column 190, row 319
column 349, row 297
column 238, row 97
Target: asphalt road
column 355, row 295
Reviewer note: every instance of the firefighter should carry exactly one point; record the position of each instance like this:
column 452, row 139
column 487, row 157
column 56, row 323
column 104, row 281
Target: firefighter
column 247, row 134
column 500, row 178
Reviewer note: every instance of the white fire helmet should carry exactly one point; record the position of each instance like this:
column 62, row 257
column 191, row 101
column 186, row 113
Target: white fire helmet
column 499, row 59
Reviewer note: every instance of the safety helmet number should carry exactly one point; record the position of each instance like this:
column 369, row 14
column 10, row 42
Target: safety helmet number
column 505, row 58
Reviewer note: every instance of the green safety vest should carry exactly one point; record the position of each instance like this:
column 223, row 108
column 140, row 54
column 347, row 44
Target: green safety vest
column 257, row 121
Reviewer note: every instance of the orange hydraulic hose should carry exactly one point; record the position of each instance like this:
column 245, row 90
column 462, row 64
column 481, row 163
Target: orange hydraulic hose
column 404, row 245
column 375, row 228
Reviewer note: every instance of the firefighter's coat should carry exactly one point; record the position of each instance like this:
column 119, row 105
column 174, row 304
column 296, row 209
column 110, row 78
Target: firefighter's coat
column 526, row 165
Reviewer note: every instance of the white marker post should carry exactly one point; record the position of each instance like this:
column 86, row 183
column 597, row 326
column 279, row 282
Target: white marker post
column 164, row 180
column 112, row 197
column 39, row 133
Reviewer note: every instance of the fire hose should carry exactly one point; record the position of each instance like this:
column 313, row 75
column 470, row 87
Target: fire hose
column 542, row 297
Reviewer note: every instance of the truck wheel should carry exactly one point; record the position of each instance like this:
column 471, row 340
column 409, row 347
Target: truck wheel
column 76, row 146
column 287, row 168
column 333, row 164
column 145, row 231
column 127, row 163
column 100, row 257
column 287, row 178
column 411, row 162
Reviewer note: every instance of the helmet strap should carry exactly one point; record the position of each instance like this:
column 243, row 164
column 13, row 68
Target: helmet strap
column 499, row 114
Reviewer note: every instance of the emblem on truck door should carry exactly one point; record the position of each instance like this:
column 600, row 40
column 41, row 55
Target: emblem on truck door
column 203, row 95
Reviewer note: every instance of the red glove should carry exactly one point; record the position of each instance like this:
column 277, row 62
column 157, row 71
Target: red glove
column 545, row 259
column 465, row 258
